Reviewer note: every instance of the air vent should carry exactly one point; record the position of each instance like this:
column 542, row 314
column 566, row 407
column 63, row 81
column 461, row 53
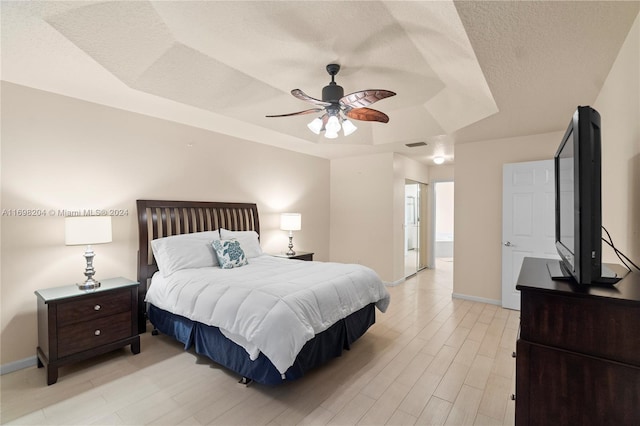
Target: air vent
column 416, row 144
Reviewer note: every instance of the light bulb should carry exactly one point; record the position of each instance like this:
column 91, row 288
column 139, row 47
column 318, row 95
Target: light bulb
column 438, row 160
column 333, row 125
column 348, row 127
column 315, row 126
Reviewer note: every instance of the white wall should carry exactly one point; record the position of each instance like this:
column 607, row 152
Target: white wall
column 61, row 153
column 444, row 209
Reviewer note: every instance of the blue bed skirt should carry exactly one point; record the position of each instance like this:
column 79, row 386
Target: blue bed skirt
column 211, row 342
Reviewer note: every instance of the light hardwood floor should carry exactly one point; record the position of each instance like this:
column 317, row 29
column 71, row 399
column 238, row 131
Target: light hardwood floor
column 429, row 359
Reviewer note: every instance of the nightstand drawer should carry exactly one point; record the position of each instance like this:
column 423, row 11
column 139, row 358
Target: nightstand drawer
column 92, row 307
column 90, row 334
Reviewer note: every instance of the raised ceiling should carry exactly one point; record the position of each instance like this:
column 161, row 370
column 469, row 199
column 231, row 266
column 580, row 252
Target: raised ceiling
column 462, row 71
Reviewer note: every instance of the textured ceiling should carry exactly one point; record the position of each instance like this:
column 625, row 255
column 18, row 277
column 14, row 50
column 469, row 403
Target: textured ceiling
column 462, row 71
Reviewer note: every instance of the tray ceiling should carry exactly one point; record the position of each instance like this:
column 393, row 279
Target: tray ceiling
column 462, row 71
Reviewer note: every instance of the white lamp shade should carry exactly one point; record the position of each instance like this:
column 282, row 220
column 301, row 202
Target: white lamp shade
column 330, row 135
column 315, row 126
column 86, row 230
column 290, row 221
column 333, row 125
column 348, row 127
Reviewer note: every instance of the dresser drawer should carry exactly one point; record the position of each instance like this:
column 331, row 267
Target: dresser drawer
column 88, row 308
column 90, row 334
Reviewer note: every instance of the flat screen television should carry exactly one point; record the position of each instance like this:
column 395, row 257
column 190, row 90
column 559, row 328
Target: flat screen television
column 578, row 213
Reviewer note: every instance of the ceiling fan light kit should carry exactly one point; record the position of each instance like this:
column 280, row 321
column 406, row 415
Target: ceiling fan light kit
column 348, row 127
column 338, row 108
column 315, row 126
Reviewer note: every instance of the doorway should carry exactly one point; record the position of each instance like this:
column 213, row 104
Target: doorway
column 443, row 205
column 415, row 247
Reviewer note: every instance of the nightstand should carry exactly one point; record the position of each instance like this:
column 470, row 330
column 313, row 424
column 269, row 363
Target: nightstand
column 300, row 255
column 74, row 325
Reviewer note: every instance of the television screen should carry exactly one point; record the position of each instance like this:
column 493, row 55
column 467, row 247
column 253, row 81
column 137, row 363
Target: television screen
column 578, row 201
column 565, row 198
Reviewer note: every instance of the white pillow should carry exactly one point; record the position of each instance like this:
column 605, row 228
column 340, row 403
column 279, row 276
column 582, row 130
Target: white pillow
column 185, row 251
column 248, row 241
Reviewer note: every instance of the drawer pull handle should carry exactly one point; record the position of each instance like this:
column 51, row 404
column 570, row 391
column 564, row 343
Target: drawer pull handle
column 97, row 307
column 97, row 332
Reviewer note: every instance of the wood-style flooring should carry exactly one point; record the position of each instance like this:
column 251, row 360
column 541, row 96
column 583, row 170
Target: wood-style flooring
column 429, row 360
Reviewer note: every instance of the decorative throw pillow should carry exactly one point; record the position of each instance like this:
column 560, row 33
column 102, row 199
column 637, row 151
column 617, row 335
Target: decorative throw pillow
column 229, row 253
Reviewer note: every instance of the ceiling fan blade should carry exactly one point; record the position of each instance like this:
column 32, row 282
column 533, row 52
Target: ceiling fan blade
column 304, row 97
column 364, row 98
column 306, row 111
column 367, row 114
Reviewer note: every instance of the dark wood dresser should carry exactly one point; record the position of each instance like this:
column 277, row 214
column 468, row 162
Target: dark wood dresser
column 578, row 352
column 74, row 325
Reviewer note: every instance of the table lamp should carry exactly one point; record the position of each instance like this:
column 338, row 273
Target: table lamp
column 290, row 222
column 87, row 230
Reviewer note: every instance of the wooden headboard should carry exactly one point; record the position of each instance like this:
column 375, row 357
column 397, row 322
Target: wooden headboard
column 160, row 218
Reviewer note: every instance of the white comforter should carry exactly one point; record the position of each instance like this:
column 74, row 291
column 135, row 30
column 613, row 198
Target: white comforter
column 272, row 305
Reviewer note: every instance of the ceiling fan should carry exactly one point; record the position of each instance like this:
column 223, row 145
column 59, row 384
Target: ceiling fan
column 337, row 107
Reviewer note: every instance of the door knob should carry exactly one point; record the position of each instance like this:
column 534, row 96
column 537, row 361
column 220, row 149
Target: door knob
column 508, row 244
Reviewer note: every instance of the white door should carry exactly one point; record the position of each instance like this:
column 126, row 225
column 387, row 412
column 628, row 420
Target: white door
column 528, row 221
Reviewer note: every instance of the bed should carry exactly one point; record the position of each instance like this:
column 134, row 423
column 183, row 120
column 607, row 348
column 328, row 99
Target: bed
column 268, row 319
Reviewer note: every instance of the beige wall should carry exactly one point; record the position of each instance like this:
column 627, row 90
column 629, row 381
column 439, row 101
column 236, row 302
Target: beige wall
column 62, row 153
column 441, row 173
column 619, row 107
column 478, row 180
column 478, row 209
column 362, row 212
column 367, row 210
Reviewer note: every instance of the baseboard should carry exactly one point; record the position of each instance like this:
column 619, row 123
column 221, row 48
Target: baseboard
column 476, row 299
column 395, row 283
column 18, row 365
